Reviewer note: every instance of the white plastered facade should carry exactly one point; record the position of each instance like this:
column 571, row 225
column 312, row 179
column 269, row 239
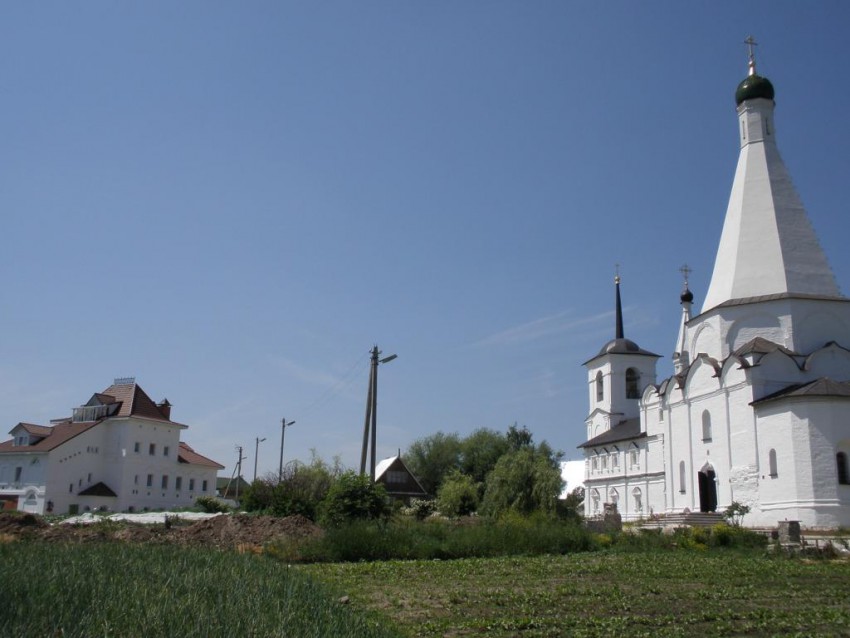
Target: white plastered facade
column 757, row 411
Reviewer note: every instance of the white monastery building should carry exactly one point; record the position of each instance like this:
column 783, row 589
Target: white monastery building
column 120, row 451
column 758, row 408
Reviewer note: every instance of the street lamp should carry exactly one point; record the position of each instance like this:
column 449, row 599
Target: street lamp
column 256, row 451
column 372, row 411
column 283, row 426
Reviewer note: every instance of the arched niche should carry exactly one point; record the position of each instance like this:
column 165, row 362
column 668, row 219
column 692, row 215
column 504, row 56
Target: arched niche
column 832, row 361
column 752, row 325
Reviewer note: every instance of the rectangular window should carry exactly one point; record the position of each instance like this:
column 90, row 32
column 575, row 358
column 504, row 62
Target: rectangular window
column 595, row 463
column 165, row 451
column 137, row 447
column 150, row 480
column 18, row 472
column 89, row 479
column 178, row 483
column 615, row 461
column 604, row 462
column 191, row 485
column 71, row 488
column 165, row 481
column 152, row 449
column 204, row 486
column 136, row 480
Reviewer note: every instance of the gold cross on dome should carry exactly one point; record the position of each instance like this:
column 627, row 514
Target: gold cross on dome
column 751, row 42
column 686, row 271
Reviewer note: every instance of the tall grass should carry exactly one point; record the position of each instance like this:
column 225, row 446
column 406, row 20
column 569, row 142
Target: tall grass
column 410, row 539
column 120, row 590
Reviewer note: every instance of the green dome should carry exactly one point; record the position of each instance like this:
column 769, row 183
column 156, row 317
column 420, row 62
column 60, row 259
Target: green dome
column 752, row 87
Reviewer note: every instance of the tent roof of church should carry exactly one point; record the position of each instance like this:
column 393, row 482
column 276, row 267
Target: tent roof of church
column 623, row 431
column 823, row 387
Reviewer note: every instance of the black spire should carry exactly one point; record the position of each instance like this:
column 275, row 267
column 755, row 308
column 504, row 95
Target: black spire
column 619, row 334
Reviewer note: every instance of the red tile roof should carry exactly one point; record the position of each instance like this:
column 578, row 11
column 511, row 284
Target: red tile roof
column 36, row 430
column 59, row 434
column 134, row 401
column 187, row 455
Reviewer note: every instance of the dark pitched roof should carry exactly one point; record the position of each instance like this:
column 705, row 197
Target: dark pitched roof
column 760, row 345
column 59, row 434
column 187, row 455
column 823, row 387
column 98, row 489
column 623, row 431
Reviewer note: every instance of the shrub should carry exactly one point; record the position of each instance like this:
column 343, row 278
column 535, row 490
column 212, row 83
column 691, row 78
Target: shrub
column 420, row 508
column 458, row 495
column 354, row 497
column 211, row 505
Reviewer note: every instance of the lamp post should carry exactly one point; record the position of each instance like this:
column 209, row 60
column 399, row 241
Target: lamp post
column 372, row 411
column 256, row 452
column 283, row 426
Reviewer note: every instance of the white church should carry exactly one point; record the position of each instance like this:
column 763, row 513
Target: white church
column 758, row 408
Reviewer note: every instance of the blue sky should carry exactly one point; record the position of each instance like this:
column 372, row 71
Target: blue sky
column 233, row 202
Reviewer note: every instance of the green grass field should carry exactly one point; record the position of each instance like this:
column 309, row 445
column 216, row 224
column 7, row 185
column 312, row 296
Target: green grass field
column 114, row 589
column 653, row 593
column 120, row 590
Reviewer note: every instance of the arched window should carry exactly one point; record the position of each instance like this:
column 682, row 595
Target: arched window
column 682, row 477
column 600, row 388
column 771, row 460
column 613, row 496
column 594, row 499
column 706, row 426
column 843, row 473
column 637, row 500
column 632, row 384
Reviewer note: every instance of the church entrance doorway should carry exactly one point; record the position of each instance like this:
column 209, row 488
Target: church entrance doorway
column 707, row 489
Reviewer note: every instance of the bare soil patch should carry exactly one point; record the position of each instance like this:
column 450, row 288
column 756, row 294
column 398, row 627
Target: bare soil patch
column 223, row 532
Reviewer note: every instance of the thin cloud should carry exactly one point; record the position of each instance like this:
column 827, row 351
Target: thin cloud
column 541, row 328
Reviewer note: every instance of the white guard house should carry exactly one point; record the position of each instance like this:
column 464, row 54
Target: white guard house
column 120, row 451
column 758, row 408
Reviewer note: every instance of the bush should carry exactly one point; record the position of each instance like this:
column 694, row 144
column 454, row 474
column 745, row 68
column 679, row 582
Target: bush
column 211, row 505
column 354, row 497
column 300, row 490
column 420, row 508
column 458, row 495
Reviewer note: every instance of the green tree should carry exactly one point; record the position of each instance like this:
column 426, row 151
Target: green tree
column 524, row 480
column 432, row 458
column 480, row 452
column 458, row 495
column 354, row 497
column 518, row 437
column 300, row 491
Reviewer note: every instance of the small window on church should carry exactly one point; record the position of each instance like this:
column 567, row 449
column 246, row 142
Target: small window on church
column 637, row 500
column 772, row 463
column 595, row 463
column 843, row 473
column 615, row 462
column 660, row 414
column 600, row 388
column 594, row 499
column 632, row 384
column 706, row 426
column 634, row 458
column 681, row 477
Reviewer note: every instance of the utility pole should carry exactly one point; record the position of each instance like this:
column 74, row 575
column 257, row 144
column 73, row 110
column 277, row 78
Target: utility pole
column 239, row 471
column 371, row 421
column 256, row 452
column 283, row 426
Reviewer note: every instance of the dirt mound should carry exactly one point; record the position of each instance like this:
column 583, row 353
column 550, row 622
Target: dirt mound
column 20, row 523
column 240, row 530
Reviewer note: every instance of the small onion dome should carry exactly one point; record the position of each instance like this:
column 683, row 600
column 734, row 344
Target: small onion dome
column 687, row 296
column 752, row 87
